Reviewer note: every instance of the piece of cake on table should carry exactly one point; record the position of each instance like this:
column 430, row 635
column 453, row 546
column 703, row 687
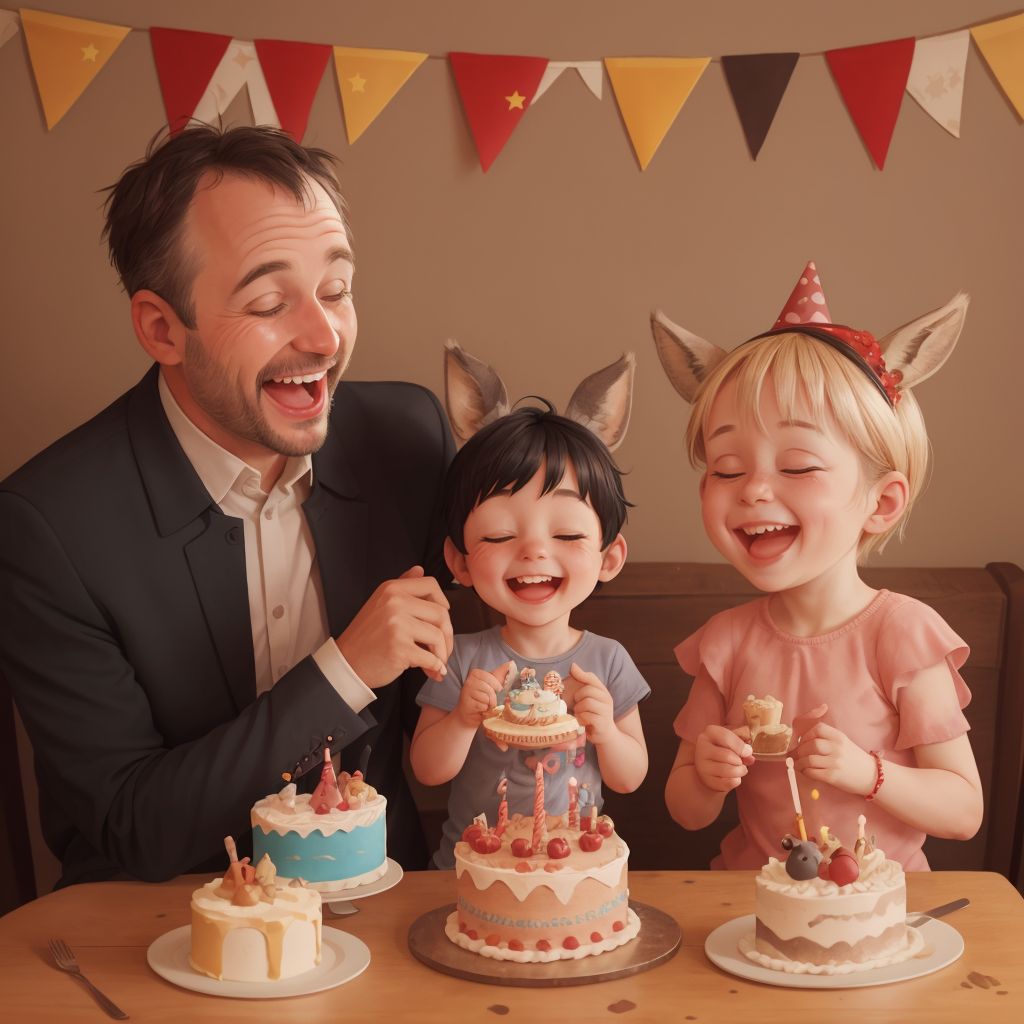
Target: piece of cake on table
column 531, row 716
column 764, row 719
column 542, row 888
column 252, row 925
column 334, row 838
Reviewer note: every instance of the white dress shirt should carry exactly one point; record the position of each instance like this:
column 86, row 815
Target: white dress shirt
column 286, row 600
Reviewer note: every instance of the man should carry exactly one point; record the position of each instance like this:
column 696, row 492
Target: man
column 225, row 569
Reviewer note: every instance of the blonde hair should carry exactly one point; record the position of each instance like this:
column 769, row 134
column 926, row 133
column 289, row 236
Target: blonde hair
column 834, row 387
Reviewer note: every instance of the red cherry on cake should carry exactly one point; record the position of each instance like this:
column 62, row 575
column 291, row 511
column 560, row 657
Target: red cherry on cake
column 472, row 831
column 558, row 848
column 521, row 848
column 571, row 942
column 823, row 866
column 843, row 868
column 606, row 827
column 515, row 945
column 591, row 841
column 488, row 842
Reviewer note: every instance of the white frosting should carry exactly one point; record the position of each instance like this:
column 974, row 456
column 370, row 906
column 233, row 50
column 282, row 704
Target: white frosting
column 525, row 956
column 341, row 884
column 289, row 901
column 915, row 943
column 285, row 812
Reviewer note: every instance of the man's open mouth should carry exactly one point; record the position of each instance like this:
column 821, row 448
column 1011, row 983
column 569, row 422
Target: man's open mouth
column 300, row 394
column 534, row 588
column 767, row 540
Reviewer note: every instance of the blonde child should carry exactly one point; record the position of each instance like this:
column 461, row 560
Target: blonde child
column 814, row 449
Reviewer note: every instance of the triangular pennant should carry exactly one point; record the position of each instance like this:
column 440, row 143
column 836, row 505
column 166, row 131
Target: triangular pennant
column 495, row 92
column 650, row 92
column 368, row 80
column 185, row 63
column 293, row 72
column 237, row 68
column 872, row 80
column 8, row 26
column 66, row 55
column 937, row 77
column 1002, row 45
column 758, row 82
column 588, row 70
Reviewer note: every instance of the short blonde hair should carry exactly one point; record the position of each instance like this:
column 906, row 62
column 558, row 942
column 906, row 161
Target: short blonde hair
column 801, row 367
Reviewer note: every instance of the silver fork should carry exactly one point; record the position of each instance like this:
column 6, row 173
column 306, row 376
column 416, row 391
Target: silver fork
column 66, row 961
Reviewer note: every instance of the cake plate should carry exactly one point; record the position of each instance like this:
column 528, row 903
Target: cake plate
column 338, row 901
column 657, row 942
column 943, row 944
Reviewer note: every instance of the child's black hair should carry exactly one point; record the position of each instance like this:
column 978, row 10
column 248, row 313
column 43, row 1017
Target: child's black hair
column 505, row 455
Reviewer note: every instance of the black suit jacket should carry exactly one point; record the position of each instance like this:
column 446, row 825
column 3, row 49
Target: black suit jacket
column 125, row 632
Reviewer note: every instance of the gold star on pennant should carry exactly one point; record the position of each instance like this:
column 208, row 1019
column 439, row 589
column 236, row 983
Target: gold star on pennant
column 515, row 101
column 242, row 58
column 90, row 53
column 358, row 83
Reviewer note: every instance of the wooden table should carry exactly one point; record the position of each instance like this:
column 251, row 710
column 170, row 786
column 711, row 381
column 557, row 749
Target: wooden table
column 111, row 924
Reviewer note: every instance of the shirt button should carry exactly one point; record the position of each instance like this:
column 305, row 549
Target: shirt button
column 279, row 611
column 268, row 513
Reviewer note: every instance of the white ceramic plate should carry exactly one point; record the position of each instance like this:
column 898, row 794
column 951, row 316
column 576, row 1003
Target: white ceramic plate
column 388, row 880
column 943, row 945
column 342, row 958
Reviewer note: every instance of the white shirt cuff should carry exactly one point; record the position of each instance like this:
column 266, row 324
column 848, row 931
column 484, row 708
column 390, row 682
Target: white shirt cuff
column 340, row 674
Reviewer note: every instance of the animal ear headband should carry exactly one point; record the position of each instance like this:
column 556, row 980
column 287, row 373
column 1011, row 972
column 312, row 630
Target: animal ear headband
column 894, row 364
column 475, row 395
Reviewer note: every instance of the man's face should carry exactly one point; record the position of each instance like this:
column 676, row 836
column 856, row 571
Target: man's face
column 275, row 324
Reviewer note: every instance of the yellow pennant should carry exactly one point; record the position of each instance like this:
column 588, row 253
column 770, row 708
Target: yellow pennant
column 1002, row 45
column 650, row 92
column 368, row 80
column 66, row 55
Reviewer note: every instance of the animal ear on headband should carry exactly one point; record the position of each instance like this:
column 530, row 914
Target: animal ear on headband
column 474, row 394
column 686, row 357
column 919, row 348
column 602, row 402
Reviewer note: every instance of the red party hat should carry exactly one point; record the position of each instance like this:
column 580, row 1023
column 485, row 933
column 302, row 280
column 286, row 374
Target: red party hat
column 807, row 303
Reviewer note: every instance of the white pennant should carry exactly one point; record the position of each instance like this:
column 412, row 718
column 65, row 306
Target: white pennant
column 589, row 71
column 8, row 26
column 937, row 77
column 239, row 66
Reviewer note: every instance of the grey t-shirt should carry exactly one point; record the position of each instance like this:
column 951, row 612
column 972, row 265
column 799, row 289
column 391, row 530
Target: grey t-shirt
column 475, row 788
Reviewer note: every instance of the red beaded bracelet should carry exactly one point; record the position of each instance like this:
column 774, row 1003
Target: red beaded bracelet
column 880, row 774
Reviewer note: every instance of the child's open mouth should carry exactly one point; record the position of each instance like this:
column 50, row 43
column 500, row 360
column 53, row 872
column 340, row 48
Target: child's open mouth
column 534, row 588
column 767, row 540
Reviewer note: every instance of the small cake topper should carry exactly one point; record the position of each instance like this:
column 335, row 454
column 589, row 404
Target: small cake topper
column 803, row 860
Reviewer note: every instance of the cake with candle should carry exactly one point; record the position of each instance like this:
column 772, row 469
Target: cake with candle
column 252, row 925
column 537, row 889
column 333, row 838
column 531, row 715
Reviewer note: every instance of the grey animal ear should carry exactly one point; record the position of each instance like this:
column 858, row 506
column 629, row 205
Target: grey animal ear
column 474, row 394
column 602, row 401
column 686, row 357
column 919, row 348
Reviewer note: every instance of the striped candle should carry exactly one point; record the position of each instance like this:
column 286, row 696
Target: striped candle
column 503, row 806
column 574, row 805
column 538, row 808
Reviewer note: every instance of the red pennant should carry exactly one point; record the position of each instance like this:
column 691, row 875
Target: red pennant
column 293, row 72
column 872, row 80
column 495, row 92
column 185, row 63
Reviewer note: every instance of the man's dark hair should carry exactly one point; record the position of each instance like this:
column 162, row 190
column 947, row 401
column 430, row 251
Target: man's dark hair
column 505, row 455
column 147, row 206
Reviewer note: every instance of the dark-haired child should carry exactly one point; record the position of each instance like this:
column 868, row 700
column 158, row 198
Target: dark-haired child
column 533, row 508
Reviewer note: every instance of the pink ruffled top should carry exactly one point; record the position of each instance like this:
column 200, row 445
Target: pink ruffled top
column 860, row 670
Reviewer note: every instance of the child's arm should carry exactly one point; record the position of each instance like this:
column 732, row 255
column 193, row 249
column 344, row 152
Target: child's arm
column 442, row 739
column 941, row 795
column 621, row 750
column 703, row 773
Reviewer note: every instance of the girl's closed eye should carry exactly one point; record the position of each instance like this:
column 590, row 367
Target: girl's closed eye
column 570, row 536
column 718, row 474
column 804, row 470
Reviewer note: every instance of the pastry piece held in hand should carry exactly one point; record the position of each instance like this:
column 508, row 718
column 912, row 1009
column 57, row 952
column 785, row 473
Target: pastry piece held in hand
column 764, row 719
column 532, row 716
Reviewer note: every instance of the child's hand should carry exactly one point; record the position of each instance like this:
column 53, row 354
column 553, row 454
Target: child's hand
column 827, row 755
column 477, row 697
column 593, row 706
column 720, row 757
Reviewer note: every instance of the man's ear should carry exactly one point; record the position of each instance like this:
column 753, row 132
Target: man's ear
column 158, row 328
column 457, row 563
column 613, row 558
column 891, row 495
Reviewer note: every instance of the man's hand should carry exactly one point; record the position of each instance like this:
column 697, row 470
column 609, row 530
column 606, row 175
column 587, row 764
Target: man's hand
column 720, row 758
column 477, row 697
column 593, row 706
column 404, row 624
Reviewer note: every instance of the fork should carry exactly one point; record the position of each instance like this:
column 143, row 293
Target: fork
column 66, row 961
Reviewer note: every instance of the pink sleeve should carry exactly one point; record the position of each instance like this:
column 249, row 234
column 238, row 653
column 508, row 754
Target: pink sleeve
column 704, row 706
column 705, row 655
column 914, row 638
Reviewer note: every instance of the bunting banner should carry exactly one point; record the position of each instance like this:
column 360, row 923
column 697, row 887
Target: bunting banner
column 66, row 55
column 239, row 68
column 8, row 26
column 588, row 70
column 872, row 80
column 293, row 72
column 495, row 92
column 650, row 92
column 937, row 77
column 758, row 81
column 185, row 63
column 368, row 80
column 1002, row 45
